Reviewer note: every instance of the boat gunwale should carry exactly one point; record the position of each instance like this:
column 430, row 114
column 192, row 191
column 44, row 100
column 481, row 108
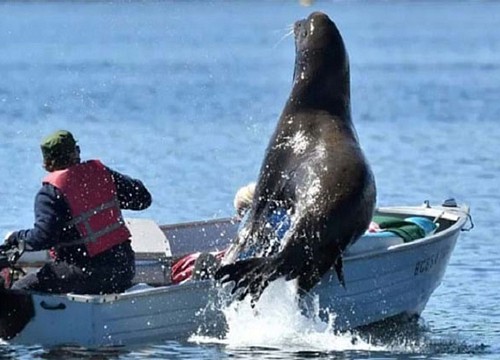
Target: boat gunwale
column 450, row 211
column 198, row 223
column 458, row 215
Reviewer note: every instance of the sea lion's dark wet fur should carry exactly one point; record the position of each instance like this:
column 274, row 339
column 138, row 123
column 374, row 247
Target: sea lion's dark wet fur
column 16, row 311
column 314, row 167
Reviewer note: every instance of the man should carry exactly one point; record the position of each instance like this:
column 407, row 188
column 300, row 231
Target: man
column 78, row 217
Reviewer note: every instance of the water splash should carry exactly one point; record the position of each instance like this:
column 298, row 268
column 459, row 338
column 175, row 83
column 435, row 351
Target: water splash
column 277, row 322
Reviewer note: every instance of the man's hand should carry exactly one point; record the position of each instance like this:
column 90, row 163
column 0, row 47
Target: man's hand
column 10, row 240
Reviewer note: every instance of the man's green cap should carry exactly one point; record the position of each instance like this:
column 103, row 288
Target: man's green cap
column 58, row 145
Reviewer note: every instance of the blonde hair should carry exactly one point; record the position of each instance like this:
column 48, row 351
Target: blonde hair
column 243, row 198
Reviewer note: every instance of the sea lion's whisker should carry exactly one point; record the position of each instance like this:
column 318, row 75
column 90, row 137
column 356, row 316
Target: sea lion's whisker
column 289, row 33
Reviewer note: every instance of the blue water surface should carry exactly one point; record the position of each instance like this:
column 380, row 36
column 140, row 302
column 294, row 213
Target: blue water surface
column 185, row 95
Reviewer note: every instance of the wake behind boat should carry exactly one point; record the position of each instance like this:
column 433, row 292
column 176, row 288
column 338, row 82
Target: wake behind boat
column 388, row 275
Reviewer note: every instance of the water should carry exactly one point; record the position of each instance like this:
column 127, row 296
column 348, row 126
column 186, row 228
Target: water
column 185, row 95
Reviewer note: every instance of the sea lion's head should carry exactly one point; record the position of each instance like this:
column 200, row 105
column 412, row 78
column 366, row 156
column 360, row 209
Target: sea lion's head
column 321, row 63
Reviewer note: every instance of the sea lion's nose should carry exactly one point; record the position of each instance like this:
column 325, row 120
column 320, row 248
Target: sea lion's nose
column 300, row 28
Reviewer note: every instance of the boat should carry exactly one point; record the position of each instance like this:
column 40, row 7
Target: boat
column 385, row 278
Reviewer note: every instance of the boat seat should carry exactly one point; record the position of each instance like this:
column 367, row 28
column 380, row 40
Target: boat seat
column 152, row 251
column 147, row 238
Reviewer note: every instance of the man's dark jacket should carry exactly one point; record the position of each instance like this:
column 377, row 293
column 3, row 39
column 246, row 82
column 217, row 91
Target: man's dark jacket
column 52, row 213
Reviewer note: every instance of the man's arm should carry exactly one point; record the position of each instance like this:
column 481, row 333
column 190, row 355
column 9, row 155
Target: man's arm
column 132, row 194
column 50, row 209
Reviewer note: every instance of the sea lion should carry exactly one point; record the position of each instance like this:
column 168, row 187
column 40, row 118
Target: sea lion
column 313, row 167
column 16, row 312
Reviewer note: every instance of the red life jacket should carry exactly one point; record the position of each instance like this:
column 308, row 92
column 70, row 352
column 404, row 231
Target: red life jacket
column 90, row 192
